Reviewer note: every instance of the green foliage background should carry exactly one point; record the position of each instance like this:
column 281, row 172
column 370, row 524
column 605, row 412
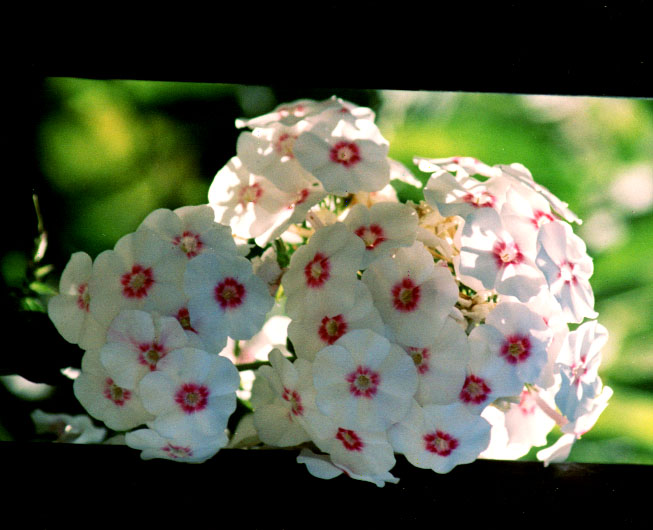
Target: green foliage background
column 106, row 153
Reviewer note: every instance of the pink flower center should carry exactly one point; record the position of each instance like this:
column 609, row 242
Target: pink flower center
column 566, row 273
column 363, row 382
column 371, row 235
column 150, row 354
column 475, row 390
column 317, row 271
column 192, row 397
column 479, row 199
column 295, row 400
column 189, row 243
column 350, row 440
column 114, row 393
column 284, row 145
column 332, row 328
column 183, row 316
column 345, row 153
column 420, row 357
column 540, row 218
column 83, row 297
column 137, row 282
column 230, row 293
column 516, row 349
column 250, row 193
column 177, row 451
column 405, row 295
column 507, row 254
column 440, row 443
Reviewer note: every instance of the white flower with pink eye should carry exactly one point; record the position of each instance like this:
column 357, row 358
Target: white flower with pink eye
column 360, row 454
column 525, row 211
column 413, row 295
column 283, row 397
column 225, row 298
column 440, row 437
column 323, row 272
column 462, row 195
column 345, row 159
column 136, row 342
column 519, row 427
column 268, row 151
column 491, row 258
column 192, row 393
column 363, row 381
column 190, row 230
column 248, row 203
column 519, row 338
column 578, row 364
column 519, row 173
column 318, row 327
column 119, row 408
column 136, row 274
column 70, row 309
column 441, row 366
column 383, row 227
column 563, row 259
column 179, row 449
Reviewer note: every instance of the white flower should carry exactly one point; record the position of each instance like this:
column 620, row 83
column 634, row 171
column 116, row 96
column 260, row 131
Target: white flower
column 413, row 295
column 519, row 173
column 441, row 367
column 578, row 363
column 345, row 159
column 225, row 298
column 70, row 309
column 190, row 230
column 491, row 258
column 383, row 227
column 136, row 342
column 321, row 466
column 136, row 274
column 191, row 394
column 283, row 396
column 254, row 207
column 440, row 437
column 517, row 336
column 362, row 455
column 323, row 271
column 462, row 195
column 269, row 152
column 318, row 327
column 119, row 408
column 287, row 114
column 564, row 261
column 153, row 445
column 522, row 426
column 463, row 166
column 363, row 381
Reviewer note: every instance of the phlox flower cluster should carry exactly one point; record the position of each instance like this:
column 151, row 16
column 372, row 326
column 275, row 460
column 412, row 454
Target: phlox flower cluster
column 438, row 329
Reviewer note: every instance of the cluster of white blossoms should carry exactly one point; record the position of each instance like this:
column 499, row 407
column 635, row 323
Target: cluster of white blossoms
column 438, row 330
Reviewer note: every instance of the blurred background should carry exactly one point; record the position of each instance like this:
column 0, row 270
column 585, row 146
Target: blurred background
column 103, row 154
